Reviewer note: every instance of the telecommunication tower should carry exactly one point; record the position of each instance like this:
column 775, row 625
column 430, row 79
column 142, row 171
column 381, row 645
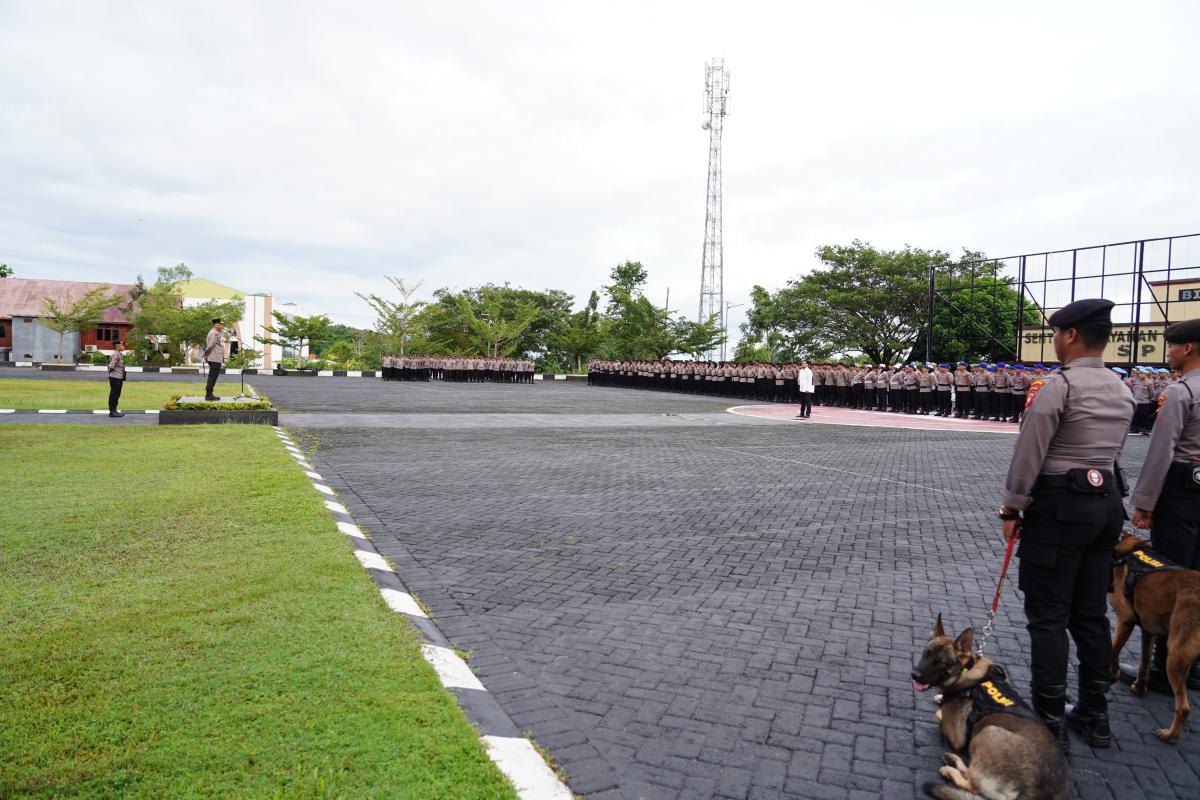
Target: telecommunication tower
column 712, row 268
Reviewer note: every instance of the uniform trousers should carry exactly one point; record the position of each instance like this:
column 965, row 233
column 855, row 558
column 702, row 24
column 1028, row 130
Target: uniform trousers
column 982, row 404
column 214, row 371
column 1065, row 565
column 1176, row 530
column 114, row 392
column 805, row 403
column 943, row 401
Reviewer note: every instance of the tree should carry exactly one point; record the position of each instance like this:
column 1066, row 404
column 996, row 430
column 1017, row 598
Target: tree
column 162, row 323
column 583, row 334
column 637, row 329
column 496, row 328
column 697, row 338
column 82, row 313
column 395, row 319
column 975, row 315
column 295, row 331
column 451, row 323
column 6, row 271
column 865, row 299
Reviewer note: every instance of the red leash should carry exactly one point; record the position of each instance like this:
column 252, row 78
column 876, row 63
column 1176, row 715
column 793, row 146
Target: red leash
column 1012, row 540
column 987, row 628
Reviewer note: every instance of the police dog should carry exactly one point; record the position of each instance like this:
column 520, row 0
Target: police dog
column 1012, row 753
column 1165, row 602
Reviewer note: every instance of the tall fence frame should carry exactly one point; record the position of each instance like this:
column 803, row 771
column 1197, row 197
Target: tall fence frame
column 1154, row 282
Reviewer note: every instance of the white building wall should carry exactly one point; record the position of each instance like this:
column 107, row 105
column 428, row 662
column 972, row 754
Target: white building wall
column 256, row 317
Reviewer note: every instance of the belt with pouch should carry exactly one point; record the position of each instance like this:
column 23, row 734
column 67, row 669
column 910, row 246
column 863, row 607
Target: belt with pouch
column 1185, row 476
column 1080, row 480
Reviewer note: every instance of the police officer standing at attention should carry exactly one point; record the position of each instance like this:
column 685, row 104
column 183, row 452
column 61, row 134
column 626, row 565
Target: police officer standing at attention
column 116, row 379
column 214, row 354
column 1063, row 478
column 1167, row 496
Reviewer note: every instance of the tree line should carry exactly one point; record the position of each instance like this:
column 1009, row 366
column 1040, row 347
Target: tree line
column 502, row 320
column 862, row 302
column 874, row 305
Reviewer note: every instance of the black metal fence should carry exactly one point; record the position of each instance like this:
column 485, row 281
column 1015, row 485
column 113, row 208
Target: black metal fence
column 997, row 309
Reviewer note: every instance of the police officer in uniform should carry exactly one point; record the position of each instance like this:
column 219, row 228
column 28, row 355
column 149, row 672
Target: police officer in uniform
column 1167, row 496
column 116, row 378
column 214, row 355
column 1063, row 479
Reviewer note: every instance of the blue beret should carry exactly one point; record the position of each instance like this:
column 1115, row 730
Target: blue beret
column 962, row 363
column 1119, row 371
column 943, row 366
column 1040, row 366
column 1002, row 364
column 990, row 368
column 1094, row 311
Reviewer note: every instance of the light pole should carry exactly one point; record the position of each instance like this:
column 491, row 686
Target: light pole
column 725, row 320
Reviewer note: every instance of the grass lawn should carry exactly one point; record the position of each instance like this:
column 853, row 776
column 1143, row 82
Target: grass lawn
column 136, row 396
column 179, row 617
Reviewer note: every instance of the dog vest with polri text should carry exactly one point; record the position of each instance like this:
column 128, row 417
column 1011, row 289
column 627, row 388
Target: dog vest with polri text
column 994, row 695
column 1141, row 564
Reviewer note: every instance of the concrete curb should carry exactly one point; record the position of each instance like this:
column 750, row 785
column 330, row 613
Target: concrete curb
column 512, row 753
column 70, row 411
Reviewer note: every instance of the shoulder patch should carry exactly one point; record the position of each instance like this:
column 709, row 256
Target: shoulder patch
column 1033, row 390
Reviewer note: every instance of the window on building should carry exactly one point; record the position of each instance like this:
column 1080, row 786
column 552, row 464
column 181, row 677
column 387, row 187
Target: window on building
column 3, row 330
column 107, row 334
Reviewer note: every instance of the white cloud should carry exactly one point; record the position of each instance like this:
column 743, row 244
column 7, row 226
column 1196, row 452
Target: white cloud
column 308, row 149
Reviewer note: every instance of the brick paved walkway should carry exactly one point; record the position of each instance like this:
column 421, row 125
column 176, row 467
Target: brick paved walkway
column 688, row 611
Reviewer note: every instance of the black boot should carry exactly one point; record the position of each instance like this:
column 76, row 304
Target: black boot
column 1089, row 717
column 1156, row 680
column 1050, row 704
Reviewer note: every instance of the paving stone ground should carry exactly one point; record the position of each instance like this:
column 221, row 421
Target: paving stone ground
column 692, row 609
column 686, row 611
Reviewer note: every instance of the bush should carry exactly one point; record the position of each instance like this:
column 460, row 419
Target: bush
column 99, row 358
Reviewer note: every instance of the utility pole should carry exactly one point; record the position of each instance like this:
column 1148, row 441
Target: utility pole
column 725, row 320
column 712, row 266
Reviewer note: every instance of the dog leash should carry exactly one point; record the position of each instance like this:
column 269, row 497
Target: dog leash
column 987, row 628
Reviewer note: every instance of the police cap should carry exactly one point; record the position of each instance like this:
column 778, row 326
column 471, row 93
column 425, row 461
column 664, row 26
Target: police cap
column 1094, row 311
column 216, row 320
column 1183, row 332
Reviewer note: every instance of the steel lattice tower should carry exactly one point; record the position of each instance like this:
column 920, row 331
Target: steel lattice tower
column 712, row 268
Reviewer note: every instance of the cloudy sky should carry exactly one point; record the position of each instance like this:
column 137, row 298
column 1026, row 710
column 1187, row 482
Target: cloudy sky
column 306, row 149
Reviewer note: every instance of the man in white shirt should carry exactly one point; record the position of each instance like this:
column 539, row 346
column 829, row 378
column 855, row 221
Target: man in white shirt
column 804, row 385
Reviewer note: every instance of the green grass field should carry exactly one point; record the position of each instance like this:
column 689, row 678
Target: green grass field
column 92, row 394
column 179, row 617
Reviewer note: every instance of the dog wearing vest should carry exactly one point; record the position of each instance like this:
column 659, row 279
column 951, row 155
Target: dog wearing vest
column 1012, row 754
column 1163, row 599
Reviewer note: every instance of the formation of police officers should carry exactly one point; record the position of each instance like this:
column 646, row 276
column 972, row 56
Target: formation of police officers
column 457, row 370
column 994, row 392
column 1063, row 498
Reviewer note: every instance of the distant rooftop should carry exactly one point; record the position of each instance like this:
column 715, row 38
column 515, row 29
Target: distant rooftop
column 204, row 289
column 22, row 297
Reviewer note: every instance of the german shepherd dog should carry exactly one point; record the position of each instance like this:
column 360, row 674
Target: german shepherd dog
column 1012, row 753
column 1165, row 602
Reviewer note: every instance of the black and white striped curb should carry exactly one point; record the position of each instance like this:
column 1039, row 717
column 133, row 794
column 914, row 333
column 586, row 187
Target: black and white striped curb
column 69, row 411
column 515, row 755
